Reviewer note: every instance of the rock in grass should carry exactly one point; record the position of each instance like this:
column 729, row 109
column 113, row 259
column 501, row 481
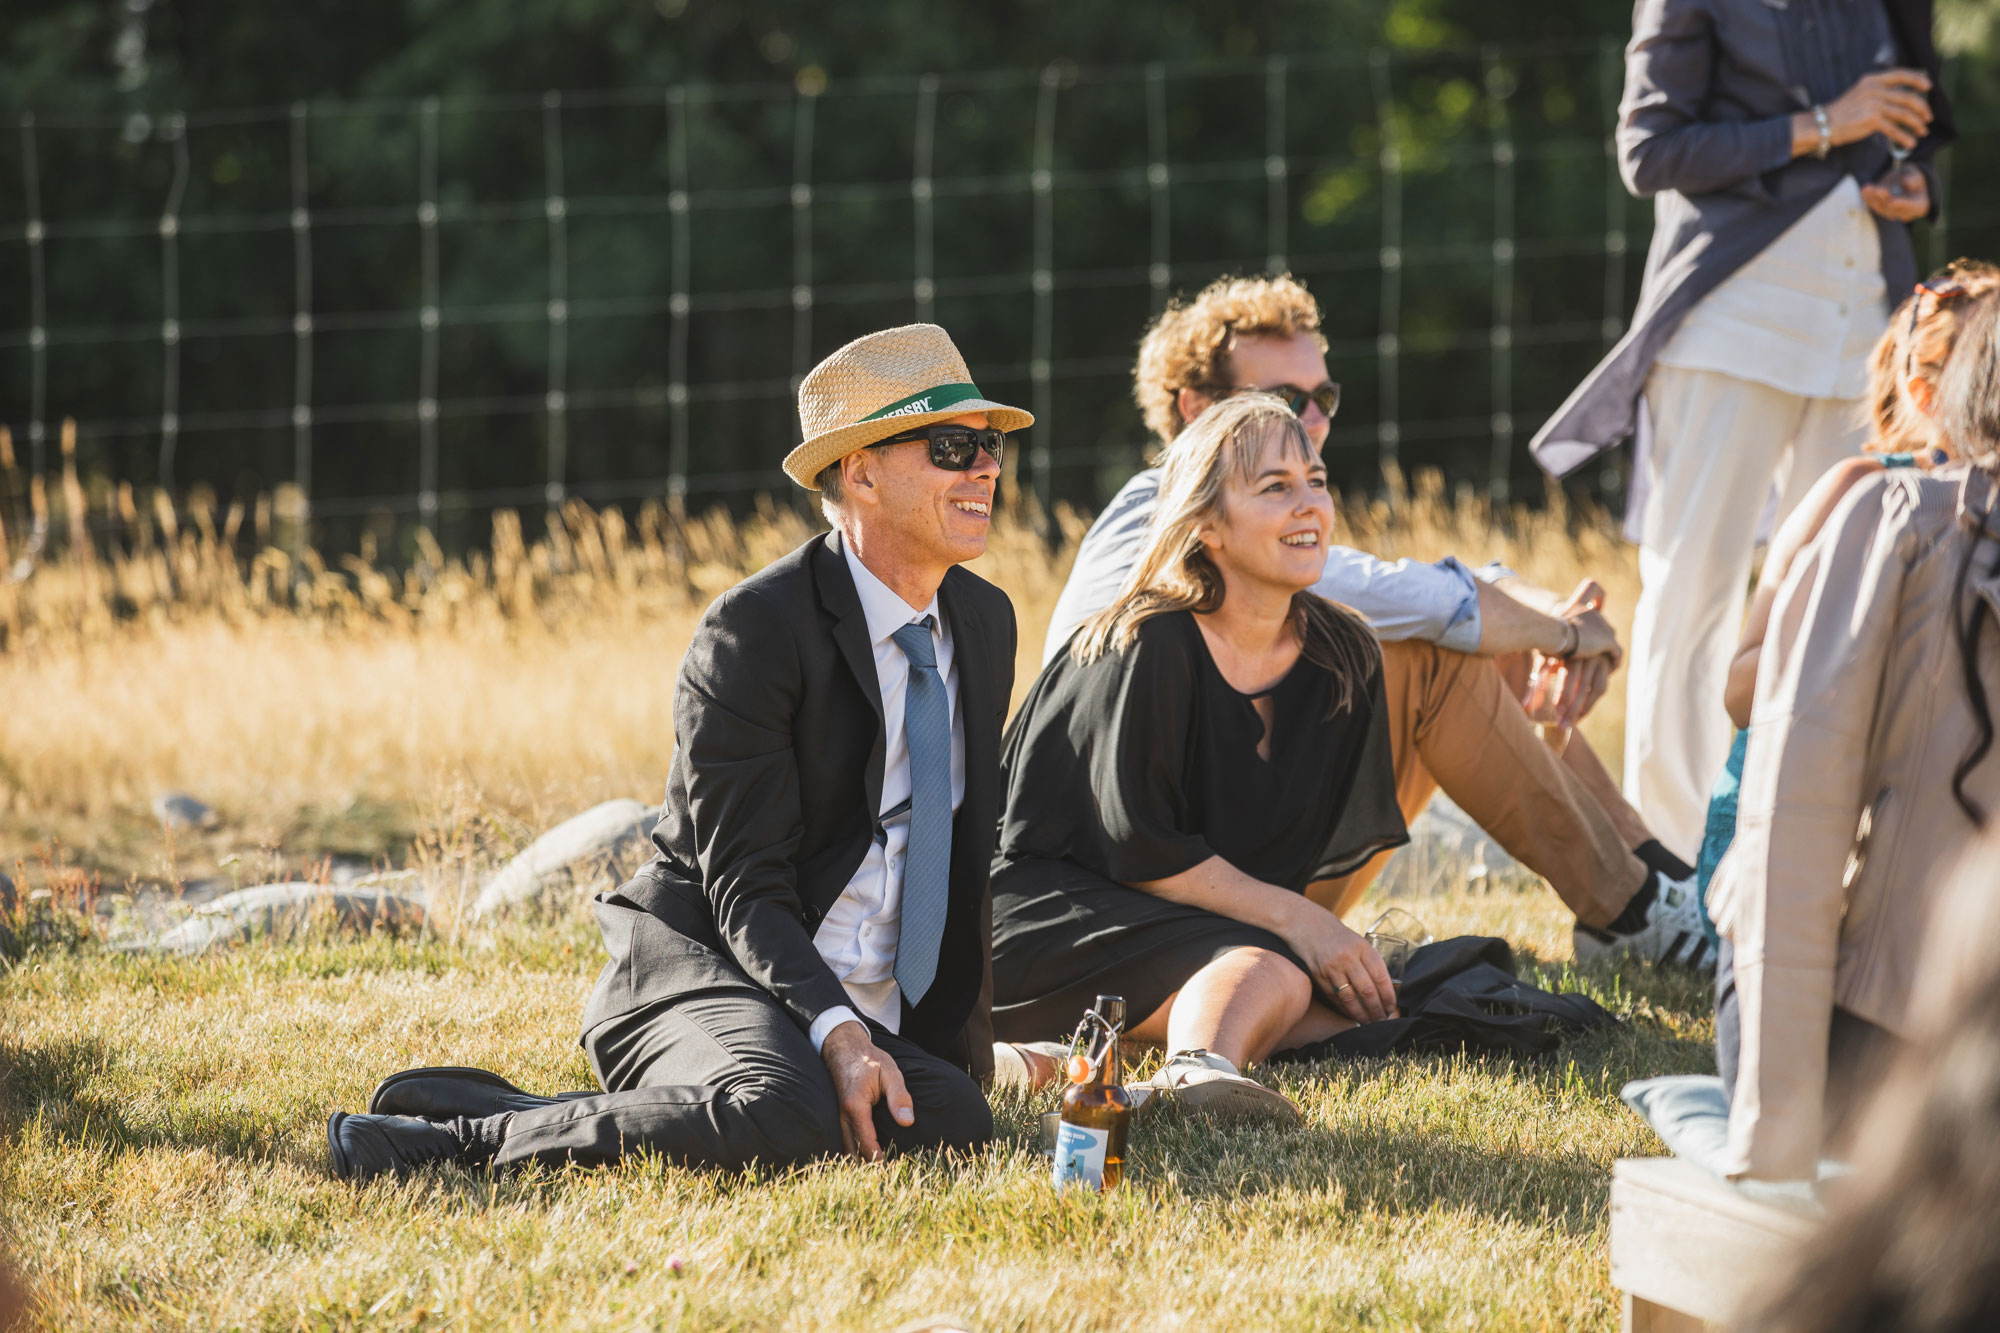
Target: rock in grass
column 286, row 911
column 179, row 811
column 607, row 841
column 1444, row 823
column 1446, row 847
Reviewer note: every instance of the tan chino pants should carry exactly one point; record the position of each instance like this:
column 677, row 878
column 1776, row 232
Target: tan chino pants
column 1456, row 722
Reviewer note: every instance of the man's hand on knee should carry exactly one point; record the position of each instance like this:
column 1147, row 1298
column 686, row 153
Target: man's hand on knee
column 1566, row 686
column 1595, row 636
column 863, row 1074
column 1584, row 683
column 1517, row 617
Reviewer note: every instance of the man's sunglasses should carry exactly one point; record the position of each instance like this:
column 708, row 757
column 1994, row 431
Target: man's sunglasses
column 1326, row 395
column 954, row 448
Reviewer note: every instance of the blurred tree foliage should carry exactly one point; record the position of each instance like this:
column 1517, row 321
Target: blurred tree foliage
column 140, row 59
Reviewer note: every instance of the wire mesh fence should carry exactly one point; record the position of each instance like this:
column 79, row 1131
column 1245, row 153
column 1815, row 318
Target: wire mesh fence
column 434, row 307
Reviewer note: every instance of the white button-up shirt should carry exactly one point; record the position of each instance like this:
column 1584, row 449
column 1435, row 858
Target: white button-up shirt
column 858, row 937
column 1803, row 316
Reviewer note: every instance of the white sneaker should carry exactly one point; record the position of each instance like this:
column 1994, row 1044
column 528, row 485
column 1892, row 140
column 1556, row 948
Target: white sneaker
column 1206, row 1082
column 1673, row 932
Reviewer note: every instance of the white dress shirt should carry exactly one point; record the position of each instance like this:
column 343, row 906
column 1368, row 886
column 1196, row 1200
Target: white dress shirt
column 1803, row 316
column 858, row 937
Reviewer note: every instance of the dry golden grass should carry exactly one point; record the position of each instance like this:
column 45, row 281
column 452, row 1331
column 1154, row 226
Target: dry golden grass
column 353, row 709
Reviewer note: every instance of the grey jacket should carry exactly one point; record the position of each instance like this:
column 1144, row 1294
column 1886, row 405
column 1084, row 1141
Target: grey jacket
column 1705, row 130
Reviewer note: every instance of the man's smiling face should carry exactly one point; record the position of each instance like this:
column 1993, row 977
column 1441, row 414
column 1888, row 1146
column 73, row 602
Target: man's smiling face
column 942, row 513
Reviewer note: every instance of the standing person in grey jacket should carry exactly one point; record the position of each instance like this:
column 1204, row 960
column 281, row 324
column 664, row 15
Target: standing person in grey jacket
column 1787, row 145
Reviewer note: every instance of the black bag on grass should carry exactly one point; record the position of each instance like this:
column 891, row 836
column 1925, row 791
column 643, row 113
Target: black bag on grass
column 1462, row 995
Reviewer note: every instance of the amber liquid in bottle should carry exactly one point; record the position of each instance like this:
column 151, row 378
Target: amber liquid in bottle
column 1096, row 1112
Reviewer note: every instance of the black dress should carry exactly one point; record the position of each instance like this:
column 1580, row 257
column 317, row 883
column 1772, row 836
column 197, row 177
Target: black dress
column 1144, row 764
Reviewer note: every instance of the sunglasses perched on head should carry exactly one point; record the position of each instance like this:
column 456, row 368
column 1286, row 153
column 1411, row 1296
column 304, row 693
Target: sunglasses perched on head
column 1326, row 395
column 953, row 448
column 1940, row 288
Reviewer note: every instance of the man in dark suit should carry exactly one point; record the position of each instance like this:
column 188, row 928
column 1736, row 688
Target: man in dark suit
column 805, row 967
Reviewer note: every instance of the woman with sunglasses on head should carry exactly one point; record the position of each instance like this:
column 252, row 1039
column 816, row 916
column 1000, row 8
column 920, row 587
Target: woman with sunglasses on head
column 1903, row 375
column 1867, row 774
column 1207, row 747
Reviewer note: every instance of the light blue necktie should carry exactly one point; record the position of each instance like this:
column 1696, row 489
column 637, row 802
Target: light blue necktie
column 927, row 861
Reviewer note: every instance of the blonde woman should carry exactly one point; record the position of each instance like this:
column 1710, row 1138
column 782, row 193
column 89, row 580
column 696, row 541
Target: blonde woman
column 1210, row 745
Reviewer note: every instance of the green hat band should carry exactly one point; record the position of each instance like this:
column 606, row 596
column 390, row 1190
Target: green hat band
column 930, row 400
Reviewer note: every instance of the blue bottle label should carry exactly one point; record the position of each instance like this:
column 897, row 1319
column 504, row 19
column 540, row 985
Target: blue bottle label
column 1080, row 1153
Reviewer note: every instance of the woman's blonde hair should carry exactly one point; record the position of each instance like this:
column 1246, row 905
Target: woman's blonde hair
column 1175, row 572
column 1920, row 347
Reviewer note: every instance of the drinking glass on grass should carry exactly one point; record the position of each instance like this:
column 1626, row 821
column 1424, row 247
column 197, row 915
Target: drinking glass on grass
column 1396, row 935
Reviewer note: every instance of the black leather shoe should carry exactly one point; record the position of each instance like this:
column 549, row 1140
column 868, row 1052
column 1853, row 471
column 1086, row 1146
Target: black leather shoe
column 447, row 1091
column 365, row 1146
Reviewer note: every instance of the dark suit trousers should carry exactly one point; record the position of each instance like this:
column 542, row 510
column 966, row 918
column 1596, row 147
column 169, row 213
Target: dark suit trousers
column 725, row 1078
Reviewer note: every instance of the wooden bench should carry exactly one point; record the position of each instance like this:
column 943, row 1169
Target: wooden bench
column 1688, row 1250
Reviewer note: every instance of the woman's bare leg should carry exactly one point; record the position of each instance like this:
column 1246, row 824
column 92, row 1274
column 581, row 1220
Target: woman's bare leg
column 1241, row 1006
column 1319, row 1023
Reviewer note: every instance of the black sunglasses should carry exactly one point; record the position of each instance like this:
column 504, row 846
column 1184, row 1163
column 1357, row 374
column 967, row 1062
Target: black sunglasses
column 954, row 448
column 1326, row 395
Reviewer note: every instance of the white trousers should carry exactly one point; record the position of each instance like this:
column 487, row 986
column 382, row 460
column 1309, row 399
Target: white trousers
column 1718, row 445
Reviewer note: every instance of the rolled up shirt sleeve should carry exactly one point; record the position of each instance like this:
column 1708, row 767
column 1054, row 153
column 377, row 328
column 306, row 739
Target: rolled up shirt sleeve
column 1408, row 599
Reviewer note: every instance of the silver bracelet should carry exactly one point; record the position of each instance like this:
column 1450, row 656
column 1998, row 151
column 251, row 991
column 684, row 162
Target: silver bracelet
column 1825, row 123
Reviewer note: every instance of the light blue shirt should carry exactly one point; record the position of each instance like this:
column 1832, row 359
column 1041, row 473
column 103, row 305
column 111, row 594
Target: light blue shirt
column 1406, row 599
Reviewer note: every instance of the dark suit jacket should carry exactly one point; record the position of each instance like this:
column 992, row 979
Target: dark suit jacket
column 772, row 799
column 1705, row 131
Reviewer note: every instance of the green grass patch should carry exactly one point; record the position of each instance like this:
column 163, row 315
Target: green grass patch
column 165, row 1167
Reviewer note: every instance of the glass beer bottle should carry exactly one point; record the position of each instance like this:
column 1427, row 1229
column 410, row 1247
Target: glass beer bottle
column 1096, row 1112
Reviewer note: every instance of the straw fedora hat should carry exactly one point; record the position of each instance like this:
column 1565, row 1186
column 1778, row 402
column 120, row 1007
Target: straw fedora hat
column 883, row 385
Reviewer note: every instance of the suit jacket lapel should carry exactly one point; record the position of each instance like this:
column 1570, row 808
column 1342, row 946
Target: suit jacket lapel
column 974, row 660
column 850, row 635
